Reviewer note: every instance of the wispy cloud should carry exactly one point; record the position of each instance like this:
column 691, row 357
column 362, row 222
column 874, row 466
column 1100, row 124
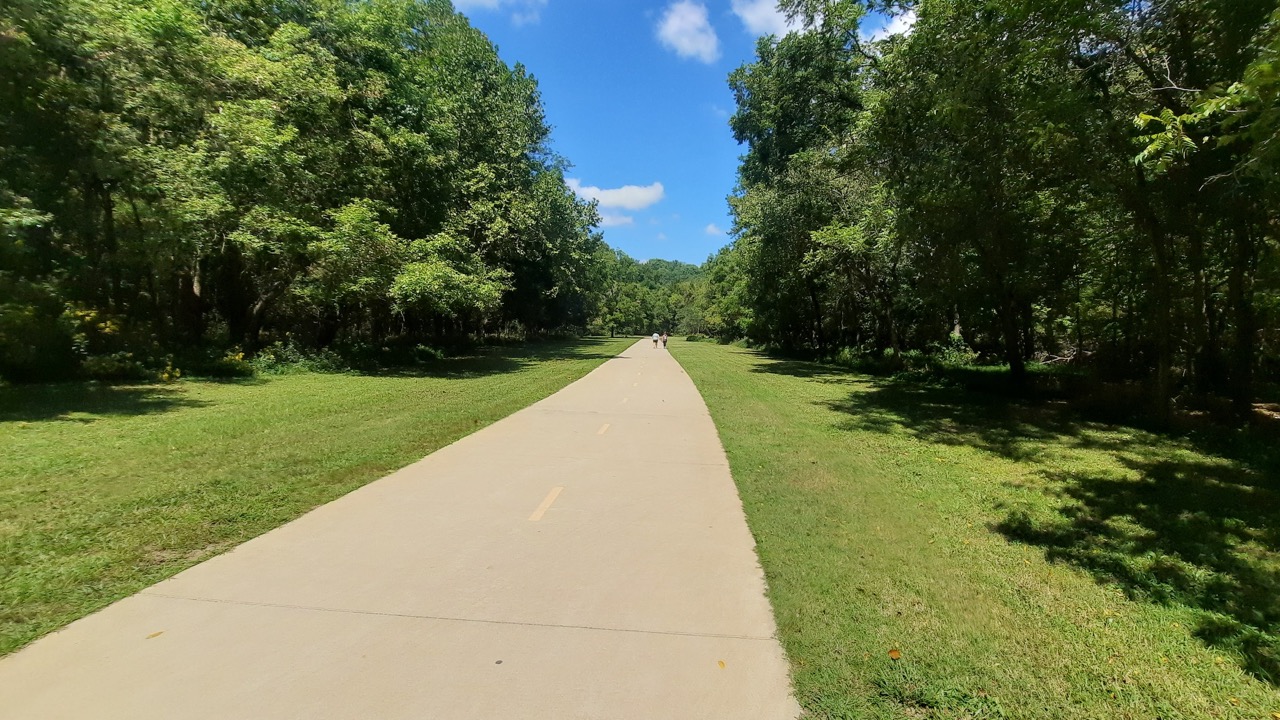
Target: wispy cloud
column 762, row 17
column 523, row 12
column 627, row 197
column 612, row 220
column 713, row 229
column 684, row 28
column 897, row 25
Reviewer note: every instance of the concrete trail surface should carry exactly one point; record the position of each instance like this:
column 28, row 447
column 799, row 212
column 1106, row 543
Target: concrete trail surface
column 586, row 557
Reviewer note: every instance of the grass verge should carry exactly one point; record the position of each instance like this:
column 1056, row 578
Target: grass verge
column 107, row 489
column 1021, row 561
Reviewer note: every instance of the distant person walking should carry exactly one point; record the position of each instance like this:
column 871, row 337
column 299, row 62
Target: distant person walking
column 655, row 341
column 664, row 341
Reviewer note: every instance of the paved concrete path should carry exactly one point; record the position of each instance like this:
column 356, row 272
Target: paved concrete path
column 586, row 557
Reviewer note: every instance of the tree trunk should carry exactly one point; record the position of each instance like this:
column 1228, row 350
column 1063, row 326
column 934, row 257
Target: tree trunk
column 818, row 340
column 1161, row 252
column 257, row 312
column 110, row 246
column 1011, row 335
column 253, row 323
column 894, row 343
column 1164, row 332
column 190, row 320
column 1240, row 290
column 327, row 332
column 1028, row 332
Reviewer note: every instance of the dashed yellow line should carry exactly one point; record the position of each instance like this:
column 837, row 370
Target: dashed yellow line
column 546, row 503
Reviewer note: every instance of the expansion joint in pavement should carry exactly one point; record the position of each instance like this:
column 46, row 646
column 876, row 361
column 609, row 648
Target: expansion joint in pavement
column 445, row 618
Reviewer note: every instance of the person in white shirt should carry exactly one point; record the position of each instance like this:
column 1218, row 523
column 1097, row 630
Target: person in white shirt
column 655, row 341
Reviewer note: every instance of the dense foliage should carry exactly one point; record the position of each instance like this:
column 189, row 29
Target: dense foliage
column 644, row 297
column 179, row 174
column 1083, row 181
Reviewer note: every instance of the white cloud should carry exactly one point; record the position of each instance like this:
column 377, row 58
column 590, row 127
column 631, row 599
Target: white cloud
column 611, row 220
column 662, row 236
column 684, row 28
column 762, row 17
column 628, row 197
column 713, row 229
column 897, row 25
column 523, row 12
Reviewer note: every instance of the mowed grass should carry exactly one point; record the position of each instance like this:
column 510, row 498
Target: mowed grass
column 105, row 490
column 1023, row 562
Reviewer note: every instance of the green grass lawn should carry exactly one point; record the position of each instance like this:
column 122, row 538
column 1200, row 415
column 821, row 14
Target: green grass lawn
column 106, row 489
column 1024, row 563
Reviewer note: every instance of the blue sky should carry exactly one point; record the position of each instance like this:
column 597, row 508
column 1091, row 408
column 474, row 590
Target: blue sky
column 638, row 97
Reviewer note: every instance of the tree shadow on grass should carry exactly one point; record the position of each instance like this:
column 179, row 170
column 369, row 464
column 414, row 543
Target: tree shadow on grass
column 1196, row 534
column 68, row 400
column 803, row 369
column 64, row 401
column 1196, row 529
column 494, row 360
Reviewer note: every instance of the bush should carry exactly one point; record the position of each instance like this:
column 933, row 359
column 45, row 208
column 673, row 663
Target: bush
column 955, row 352
column 231, row 364
column 697, row 337
column 565, row 332
column 36, row 344
column 426, row 353
column 117, row 367
column 863, row 359
column 281, row 358
column 848, row 357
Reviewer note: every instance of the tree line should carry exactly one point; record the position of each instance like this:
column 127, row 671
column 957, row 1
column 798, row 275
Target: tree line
column 639, row 298
column 1082, row 181
column 179, row 174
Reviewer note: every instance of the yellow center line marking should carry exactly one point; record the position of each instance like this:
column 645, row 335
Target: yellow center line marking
column 546, row 503
column 603, row 429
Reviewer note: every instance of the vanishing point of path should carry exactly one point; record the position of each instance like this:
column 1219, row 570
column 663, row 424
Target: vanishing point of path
column 586, row 557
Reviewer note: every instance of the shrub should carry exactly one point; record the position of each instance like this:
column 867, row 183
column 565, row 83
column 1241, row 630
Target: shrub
column 426, row 353
column 231, row 364
column 281, row 358
column 955, row 352
column 116, row 367
column 36, row 344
